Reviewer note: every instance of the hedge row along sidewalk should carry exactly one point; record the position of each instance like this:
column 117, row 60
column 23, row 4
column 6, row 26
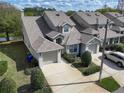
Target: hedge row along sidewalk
column 88, row 69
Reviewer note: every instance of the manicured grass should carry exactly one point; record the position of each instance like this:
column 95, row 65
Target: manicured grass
column 16, row 51
column 109, row 84
column 4, row 35
column 15, row 55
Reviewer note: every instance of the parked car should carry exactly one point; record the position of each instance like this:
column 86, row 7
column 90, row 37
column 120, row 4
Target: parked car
column 116, row 57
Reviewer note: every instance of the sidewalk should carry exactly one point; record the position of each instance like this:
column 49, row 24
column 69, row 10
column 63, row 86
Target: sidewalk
column 109, row 69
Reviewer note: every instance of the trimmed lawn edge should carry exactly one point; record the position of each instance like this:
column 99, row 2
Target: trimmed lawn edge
column 109, row 84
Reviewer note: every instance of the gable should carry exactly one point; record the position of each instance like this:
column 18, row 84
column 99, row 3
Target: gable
column 94, row 41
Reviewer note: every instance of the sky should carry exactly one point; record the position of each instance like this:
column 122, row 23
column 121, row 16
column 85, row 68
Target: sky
column 64, row 4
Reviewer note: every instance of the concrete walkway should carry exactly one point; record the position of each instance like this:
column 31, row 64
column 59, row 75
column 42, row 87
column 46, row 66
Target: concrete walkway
column 110, row 69
column 63, row 78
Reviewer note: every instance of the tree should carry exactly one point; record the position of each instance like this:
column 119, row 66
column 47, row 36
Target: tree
column 69, row 13
column 37, row 79
column 8, row 85
column 36, row 11
column 104, row 10
column 10, row 20
column 86, row 58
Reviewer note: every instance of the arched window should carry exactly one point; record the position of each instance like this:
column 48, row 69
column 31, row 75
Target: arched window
column 66, row 28
column 59, row 40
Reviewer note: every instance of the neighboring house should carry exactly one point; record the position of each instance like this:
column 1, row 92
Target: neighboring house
column 62, row 31
column 46, row 35
column 118, row 20
column 94, row 24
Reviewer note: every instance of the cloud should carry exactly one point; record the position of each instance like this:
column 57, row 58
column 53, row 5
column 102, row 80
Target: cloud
column 64, row 4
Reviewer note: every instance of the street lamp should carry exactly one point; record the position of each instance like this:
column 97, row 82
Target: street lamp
column 104, row 45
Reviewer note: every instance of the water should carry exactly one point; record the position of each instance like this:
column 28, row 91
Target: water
column 4, row 39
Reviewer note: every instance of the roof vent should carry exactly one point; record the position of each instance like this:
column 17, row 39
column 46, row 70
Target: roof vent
column 97, row 14
column 88, row 14
column 57, row 14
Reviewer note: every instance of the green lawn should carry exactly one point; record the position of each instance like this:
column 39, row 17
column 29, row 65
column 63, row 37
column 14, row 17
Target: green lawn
column 109, row 84
column 15, row 55
column 4, row 35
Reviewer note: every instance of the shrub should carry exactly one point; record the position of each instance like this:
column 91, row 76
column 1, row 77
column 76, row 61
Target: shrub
column 115, row 47
column 91, row 70
column 28, row 71
column 69, row 57
column 37, row 79
column 3, row 67
column 8, row 85
column 38, row 91
column 86, row 58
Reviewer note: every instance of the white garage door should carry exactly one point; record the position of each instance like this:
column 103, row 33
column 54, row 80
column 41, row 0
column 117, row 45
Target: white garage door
column 50, row 57
column 92, row 48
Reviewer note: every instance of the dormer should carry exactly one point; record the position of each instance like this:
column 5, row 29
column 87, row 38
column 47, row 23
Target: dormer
column 56, row 20
column 66, row 28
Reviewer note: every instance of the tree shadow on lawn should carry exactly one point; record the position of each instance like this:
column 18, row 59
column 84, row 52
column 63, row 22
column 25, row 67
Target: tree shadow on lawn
column 18, row 52
column 25, row 89
column 111, row 64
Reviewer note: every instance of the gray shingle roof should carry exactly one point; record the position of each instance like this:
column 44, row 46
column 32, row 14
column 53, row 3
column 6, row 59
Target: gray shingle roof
column 110, row 34
column 91, row 17
column 74, row 37
column 36, row 37
column 117, row 15
column 117, row 28
column 53, row 34
column 86, row 38
column 58, row 18
column 90, row 31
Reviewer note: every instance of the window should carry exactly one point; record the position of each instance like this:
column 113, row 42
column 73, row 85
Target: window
column 59, row 40
column 66, row 28
column 73, row 48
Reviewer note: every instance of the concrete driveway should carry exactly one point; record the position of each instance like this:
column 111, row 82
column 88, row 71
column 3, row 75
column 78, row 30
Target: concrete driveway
column 110, row 69
column 63, row 78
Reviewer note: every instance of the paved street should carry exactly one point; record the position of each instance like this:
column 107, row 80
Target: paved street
column 110, row 69
column 63, row 78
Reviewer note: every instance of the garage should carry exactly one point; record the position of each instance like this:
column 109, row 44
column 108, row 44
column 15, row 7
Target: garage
column 93, row 48
column 49, row 57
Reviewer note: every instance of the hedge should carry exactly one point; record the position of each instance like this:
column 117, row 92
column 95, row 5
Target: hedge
column 37, row 79
column 3, row 67
column 115, row 47
column 8, row 85
column 69, row 57
column 91, row 70
column 28, row 71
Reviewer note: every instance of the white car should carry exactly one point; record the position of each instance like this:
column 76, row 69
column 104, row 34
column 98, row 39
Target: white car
column 116, row 57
